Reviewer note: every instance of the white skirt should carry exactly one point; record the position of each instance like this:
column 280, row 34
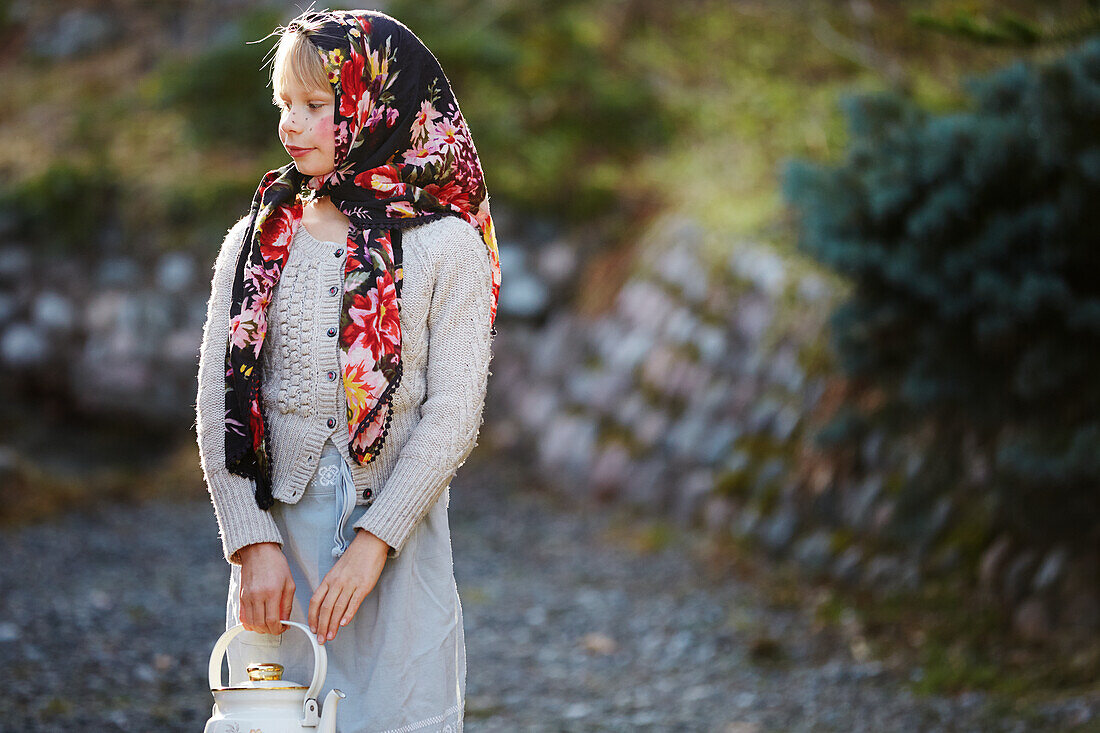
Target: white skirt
column 401, row 660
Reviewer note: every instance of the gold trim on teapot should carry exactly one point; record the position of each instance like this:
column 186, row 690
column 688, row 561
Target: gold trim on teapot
column 258, row 671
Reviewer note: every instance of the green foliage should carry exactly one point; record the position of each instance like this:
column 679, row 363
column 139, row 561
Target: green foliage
column 1036, row 466
column 1005, row 28
column 195, row 211
column 559, row 108
column 974, row 255
column 559, row 94
column 59, row 208
column 6, row 21
column 225, row 93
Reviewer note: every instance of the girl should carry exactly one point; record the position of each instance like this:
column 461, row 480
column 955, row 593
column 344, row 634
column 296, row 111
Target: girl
column 343, row 373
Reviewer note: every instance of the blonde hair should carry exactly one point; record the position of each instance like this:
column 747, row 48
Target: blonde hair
column 297, row 60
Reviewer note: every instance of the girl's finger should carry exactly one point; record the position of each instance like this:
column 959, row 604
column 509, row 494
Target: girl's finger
column 353, row 606
column 244, row 611
column 246, row 614
column 315, row 605
column 255, row 616
column 340, row 611
column 286, row 604
column 271, row 615
column 324, row 619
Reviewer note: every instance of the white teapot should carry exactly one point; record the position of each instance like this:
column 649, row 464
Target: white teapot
column 267, row 703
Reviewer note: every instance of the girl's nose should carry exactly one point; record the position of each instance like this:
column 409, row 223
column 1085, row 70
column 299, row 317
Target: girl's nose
column 290, row 122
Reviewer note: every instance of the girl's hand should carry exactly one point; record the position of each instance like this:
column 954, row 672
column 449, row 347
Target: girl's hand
column 344, row 587
column 267, row 588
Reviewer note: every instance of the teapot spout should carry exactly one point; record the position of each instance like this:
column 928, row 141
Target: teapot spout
column 328, row 711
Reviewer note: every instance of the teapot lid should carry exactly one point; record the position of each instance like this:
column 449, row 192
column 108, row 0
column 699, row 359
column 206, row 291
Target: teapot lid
column 265, row 676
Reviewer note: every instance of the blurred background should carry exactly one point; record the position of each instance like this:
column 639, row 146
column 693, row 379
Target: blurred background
column 794, row 421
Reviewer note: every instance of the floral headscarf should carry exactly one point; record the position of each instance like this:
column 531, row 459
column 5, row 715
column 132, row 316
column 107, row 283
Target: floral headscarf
column 404, row 156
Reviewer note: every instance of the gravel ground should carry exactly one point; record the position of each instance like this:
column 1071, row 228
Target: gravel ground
column 107, row 619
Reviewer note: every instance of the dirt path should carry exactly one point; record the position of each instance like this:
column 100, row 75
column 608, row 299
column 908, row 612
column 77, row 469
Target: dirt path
column 106, row 621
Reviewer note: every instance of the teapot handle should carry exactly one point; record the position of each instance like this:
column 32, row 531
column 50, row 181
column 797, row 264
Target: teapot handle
column 320, row 658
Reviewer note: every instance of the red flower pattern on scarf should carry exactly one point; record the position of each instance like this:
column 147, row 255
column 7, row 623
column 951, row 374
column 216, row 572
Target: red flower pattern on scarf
column 419, row 166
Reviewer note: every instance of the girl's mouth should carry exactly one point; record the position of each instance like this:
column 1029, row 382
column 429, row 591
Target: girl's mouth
column 297, row 152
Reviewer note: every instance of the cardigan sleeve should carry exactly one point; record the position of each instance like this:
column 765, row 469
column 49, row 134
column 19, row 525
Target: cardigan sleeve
column 240, row 521
column 459, row 351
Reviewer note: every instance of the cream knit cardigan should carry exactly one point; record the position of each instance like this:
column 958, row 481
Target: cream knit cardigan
column 437, row 408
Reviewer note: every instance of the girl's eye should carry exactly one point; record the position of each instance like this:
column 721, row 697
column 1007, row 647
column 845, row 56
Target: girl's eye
column 312, row 105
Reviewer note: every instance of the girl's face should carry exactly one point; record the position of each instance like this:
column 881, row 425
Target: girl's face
column 306, row 128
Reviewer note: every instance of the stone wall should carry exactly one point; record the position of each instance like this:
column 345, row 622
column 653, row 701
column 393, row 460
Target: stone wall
column 694, row 396
column 110, row 336
column 697, row 395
